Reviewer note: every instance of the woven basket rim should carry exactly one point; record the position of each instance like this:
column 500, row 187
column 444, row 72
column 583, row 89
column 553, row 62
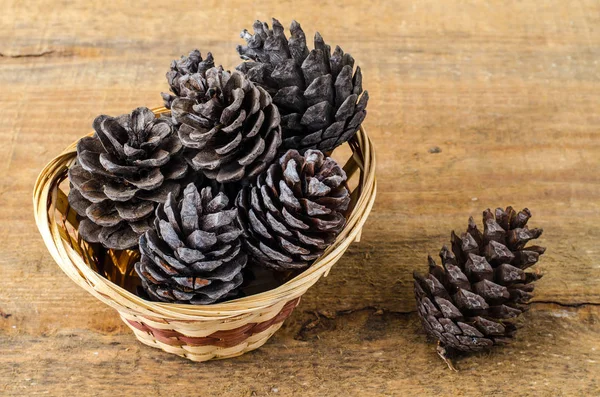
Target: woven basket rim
column 44, row 197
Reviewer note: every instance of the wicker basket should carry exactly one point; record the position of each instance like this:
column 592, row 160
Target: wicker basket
column 198, row 333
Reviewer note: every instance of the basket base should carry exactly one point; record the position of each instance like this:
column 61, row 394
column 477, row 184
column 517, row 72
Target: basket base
column 206, row 353
column 224, row 343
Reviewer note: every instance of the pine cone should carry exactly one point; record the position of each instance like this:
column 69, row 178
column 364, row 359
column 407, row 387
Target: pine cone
column 193, row 253
column 316, row 93
column 294, row 210
column 230, row 126
column 471, row 302
column 130, row 164
column 185, row 75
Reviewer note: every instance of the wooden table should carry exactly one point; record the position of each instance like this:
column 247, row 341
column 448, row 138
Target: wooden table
column 508, row 91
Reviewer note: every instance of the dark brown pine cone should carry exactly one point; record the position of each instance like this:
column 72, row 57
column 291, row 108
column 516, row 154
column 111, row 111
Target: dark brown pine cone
column 229, row 126
column 193, row 253
column 130, row 164
column 318, row 96
column 185, row 75
column 471, row 302
column 294, row 210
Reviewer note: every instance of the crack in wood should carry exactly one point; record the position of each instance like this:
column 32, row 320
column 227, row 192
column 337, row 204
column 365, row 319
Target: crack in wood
column 407, row 312
column 27, row 55
column 322, row 320
column 332, row 315
column 339, row 313
column 575, row 304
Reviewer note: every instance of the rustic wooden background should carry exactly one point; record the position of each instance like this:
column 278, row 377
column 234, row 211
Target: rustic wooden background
column 508, row 91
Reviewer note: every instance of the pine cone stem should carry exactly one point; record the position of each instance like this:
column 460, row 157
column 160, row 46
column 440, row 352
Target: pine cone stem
column 444, row 354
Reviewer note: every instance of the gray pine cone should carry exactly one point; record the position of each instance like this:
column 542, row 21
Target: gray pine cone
column 229, row 126
column 193, row 254
column 471, row 302
column 184, row 76
column 130, row 164
column 294, row 211
column 317, row 94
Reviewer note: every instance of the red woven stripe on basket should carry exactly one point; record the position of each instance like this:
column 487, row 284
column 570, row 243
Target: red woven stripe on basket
column 228, row 338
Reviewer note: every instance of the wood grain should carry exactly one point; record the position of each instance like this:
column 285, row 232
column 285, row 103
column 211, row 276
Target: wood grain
column 510, row 93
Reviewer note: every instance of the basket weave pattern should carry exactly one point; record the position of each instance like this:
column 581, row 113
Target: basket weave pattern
column 198, row 333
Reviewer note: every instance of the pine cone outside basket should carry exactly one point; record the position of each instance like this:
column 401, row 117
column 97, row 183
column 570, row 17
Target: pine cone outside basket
column 317, row 94
column 294, row 211
column 128, row 166
column 193, row 254
column 471, row 302
column 229, row 126
column 185, row 76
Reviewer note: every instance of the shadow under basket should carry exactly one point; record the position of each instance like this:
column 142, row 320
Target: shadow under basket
column 196, row 332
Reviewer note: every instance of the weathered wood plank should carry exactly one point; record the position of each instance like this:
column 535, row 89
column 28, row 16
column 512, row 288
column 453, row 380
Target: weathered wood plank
column 362, row 353
column 509, row 91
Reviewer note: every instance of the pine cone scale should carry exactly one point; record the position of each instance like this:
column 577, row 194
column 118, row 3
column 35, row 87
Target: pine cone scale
column 103, row 214
column 121, row 235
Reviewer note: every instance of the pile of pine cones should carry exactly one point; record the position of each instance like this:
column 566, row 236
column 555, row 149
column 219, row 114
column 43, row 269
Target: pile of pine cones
column 237, row 173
